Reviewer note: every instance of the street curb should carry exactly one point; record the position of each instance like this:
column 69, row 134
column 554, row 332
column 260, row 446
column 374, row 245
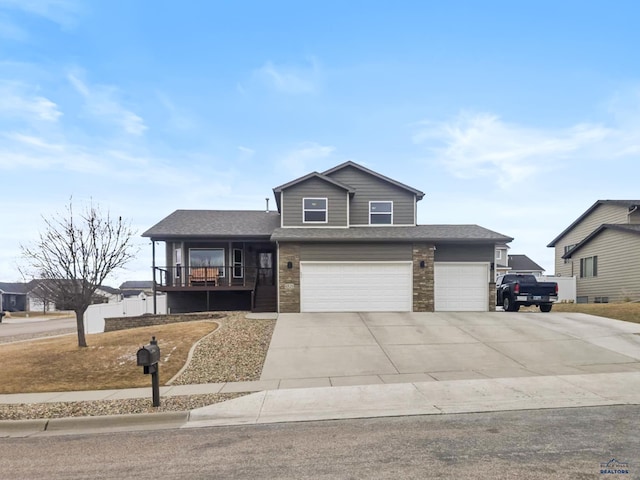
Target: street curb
column 97, row 424
column 22, row 428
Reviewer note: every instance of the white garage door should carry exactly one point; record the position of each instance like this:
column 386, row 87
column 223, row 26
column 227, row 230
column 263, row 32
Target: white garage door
column 355, row 286
column 461, row 287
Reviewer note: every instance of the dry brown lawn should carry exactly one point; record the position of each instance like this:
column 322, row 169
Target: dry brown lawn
column 109, row 362
column 629, row 312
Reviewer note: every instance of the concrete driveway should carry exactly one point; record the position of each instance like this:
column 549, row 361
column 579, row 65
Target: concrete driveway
column 336, row 349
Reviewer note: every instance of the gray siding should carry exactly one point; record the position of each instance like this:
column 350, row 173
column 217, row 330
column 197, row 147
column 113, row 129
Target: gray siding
column 605, row 213
column 618, row 267
column 464, row 253
column 337, row 199
column 369, row 188
column 360, row 252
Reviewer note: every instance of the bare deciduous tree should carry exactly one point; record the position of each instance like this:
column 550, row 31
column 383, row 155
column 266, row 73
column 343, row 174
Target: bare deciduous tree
column 76, row 253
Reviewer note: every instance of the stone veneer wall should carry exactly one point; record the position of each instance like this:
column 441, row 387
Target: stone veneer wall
column 124, row 323
column 492, row 296
column 423, row 278
column 289, row 278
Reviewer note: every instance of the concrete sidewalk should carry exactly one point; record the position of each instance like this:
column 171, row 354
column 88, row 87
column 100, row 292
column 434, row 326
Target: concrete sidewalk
column 364, row 401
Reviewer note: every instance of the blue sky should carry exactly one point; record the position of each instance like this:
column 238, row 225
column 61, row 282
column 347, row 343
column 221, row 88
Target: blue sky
column 516, row 116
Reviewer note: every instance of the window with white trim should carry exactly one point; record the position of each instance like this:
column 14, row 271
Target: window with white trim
column 380, row 213
column 238, row 263
column 314, row 210
column 589, row 267
column 567, row 249
column 207, row 257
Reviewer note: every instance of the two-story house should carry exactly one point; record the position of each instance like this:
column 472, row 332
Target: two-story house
column 343, row 240
column 601, row 248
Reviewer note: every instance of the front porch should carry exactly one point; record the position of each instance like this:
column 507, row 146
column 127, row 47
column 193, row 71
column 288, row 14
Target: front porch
column 192, row 289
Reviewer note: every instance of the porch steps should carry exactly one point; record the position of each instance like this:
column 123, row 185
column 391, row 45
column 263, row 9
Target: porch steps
column 265, row 299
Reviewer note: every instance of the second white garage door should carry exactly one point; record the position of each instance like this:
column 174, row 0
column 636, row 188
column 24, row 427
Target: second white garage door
column 461, row 287
column 355, row 286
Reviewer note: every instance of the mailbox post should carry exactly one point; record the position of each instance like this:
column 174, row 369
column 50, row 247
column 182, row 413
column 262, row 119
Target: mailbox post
column 148, row 357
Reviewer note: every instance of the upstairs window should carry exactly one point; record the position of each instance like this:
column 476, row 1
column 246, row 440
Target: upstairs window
column 567, row 249
column 589, row 267
column 314, row 210
column 380, row 213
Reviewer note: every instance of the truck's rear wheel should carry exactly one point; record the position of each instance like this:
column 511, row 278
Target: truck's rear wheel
column 545, row 307
column 507, row 305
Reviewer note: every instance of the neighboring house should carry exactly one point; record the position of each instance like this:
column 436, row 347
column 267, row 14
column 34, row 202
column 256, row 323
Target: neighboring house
column 521, row 264
column 342, row 240
column 133, row 288
column 502, row 259
column 44, row 295
column 602, row 249
column 13, row 297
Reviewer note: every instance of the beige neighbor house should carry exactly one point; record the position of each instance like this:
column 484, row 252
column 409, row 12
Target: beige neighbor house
column 602, row 249
column 346, row 239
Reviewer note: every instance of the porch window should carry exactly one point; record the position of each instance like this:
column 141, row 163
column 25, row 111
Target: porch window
column 207, row 257
column 380, row 213
column 238, row 263
column 314, row 210
column 589, row 267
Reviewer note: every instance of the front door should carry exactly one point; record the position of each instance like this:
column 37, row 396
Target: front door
column 265, row 268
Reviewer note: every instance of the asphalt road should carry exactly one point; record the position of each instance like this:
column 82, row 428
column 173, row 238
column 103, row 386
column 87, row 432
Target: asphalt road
column 538, row 444
column 14, row 329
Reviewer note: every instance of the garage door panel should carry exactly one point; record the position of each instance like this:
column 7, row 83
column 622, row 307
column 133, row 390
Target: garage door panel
column 355, row 287
column 461, row 287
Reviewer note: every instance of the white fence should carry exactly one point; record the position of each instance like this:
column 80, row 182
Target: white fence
column 566, row 287
column 129, row 307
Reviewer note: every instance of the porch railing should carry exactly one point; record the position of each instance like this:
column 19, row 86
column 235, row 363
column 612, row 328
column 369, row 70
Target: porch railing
column 181, row 276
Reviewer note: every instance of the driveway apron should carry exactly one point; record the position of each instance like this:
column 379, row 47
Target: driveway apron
column 322, row 349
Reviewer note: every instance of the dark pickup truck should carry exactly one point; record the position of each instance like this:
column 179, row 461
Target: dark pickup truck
column 513, row 291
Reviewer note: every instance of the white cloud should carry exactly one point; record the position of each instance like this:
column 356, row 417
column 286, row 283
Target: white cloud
column 178, row 119
column 11, row 31
column 298, row 161
column 101, row 101
column 246, row 153
column 62, row 12
column 17, row 102
column 291, row 79
column 482, row 145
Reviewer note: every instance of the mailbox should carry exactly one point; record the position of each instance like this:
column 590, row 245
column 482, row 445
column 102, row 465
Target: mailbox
column 148, row 355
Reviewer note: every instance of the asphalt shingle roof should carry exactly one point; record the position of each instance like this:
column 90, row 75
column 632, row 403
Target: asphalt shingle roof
column 15, row 287
column 621, row 227
column 621, row 203
column 444, row 233
column 522, row 262
column 136, row 284
column 215, row 223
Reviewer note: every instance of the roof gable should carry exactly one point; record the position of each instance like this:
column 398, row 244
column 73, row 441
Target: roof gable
column 419, row 194
column 278, row 190
column 622, row 203
column 625, row 227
